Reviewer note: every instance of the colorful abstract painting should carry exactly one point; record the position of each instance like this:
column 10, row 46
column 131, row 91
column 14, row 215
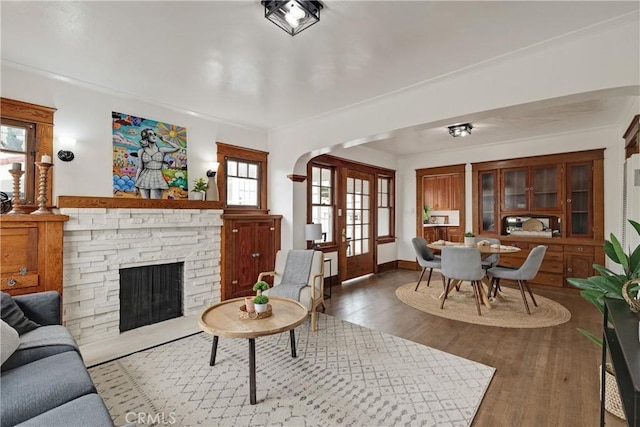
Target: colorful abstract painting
column 149, row 158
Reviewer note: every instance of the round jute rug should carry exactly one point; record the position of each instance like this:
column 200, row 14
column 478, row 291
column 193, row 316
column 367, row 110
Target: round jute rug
column 507, row 312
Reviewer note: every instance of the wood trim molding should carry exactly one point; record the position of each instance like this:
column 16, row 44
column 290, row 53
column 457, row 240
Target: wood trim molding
column 441, row 170
column 576, row 156
column 227, row 150
column 27, row 112
column 116, row 202
column 329, row 160
column 632, row 138
column 297, row 178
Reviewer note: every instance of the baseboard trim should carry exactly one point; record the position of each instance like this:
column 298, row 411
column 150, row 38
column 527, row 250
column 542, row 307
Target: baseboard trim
column 387, row 266
column 408, row 265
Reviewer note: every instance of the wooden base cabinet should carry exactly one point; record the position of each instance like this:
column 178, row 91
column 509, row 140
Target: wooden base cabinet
column 31, row 253
column 249, row 243
column 561, row 261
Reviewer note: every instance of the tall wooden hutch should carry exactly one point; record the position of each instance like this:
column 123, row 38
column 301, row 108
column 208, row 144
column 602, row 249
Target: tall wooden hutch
column 563, row 191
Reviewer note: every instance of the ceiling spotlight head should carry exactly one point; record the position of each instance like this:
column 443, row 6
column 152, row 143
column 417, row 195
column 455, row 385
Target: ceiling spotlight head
column 293, row 16
column 460, row 130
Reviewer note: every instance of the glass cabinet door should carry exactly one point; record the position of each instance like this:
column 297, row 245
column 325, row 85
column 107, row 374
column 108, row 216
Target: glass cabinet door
column 488, row 192
column 579, row 195
column 545, row 188
column 514, row 189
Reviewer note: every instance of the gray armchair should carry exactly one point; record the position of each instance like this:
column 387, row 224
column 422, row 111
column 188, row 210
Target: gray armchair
column 309, row 294
column 426, row 258
column 527, row 271
column 462, row 264
column 493, row 259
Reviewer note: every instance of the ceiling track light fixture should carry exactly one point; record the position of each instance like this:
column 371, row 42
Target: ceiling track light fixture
column 460, row 130
column 292, row 16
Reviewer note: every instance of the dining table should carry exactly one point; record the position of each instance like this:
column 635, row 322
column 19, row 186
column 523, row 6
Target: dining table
column 485, row 248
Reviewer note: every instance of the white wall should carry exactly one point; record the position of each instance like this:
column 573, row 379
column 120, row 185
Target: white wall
column 84, row 113
column 580, row 63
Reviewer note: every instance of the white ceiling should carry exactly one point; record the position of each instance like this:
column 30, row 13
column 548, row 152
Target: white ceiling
column 225, row 61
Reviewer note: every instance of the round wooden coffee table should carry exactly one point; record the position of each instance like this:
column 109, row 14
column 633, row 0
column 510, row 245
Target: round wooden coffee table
column 222, row 320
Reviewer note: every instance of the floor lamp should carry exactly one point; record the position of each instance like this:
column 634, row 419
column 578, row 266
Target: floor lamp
column 313, row 232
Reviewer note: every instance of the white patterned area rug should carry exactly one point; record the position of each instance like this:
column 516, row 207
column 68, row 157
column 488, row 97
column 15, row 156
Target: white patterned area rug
column 344, row 375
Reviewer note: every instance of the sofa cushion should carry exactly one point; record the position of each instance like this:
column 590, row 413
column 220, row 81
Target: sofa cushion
column 9, row 341
column 40, row 343
column 81, row 412
column 14, row 316
column 37, row 387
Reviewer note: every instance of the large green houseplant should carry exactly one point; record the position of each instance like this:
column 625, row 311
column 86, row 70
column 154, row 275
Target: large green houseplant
column 609, row 283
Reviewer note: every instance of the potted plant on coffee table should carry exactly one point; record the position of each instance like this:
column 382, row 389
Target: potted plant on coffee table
column 260, row 301
column 610, row 284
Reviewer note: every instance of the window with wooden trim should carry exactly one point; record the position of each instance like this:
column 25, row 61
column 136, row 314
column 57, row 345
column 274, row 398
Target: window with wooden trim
column 242, row 179
column 18, row 145
column 26, row 134
column 243, row 183
column 385, row 206
column 322, row 200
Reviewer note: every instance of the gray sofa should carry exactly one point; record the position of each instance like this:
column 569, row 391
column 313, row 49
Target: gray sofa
column 44, row 382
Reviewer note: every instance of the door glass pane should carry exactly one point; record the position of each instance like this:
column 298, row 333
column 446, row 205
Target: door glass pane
column 350, row 185
column 358, row 215
column 545, row 187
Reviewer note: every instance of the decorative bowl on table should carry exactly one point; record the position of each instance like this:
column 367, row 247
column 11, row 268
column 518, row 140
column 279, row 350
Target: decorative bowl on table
column 244, row 314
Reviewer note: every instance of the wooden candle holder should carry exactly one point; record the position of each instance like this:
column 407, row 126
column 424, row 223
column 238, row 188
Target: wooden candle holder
column 43, row 168
column 16, row 202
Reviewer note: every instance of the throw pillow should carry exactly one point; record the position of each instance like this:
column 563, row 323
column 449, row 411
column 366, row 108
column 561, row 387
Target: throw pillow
column 9, row 341
column 14, row 316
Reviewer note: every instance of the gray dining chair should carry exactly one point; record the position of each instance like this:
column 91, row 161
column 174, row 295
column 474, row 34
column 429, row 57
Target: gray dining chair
column 527, row 271
column 493, row 259
column 426, row 258
column 463, row 264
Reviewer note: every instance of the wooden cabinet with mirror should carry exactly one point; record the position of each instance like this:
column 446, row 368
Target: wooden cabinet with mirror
column 564, row 192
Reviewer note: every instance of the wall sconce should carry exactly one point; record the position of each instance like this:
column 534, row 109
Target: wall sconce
column 212, row 189
column 293, row 16
column 313, row 232
column 460, row 130
column 65, row 154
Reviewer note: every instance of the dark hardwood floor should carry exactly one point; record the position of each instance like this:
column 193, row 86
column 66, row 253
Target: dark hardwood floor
column 544, row 376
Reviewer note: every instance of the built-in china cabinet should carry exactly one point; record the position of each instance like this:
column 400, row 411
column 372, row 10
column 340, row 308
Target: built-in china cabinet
column 561, row 193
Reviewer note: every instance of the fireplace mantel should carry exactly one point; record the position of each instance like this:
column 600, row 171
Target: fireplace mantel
column 122, row 202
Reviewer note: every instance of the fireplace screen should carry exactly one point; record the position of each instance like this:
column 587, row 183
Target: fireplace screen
column 150, row 294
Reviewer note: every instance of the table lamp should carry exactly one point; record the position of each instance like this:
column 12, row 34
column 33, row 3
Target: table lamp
column 313, row 232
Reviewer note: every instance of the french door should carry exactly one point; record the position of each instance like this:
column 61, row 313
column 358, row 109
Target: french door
column 357, row 248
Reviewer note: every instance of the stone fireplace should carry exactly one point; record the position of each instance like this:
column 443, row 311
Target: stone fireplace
column 99, row 242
